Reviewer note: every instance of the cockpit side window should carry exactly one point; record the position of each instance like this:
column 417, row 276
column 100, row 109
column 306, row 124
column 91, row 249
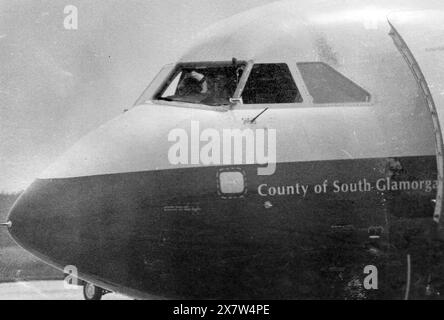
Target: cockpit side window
column 270, row 83
column 326, row 85
column 202, row 83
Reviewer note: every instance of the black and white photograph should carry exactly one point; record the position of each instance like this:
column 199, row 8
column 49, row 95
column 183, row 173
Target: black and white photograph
column 221, row 150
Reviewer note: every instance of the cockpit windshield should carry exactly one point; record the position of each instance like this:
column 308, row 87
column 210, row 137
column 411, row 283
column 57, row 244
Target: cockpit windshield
column 210, row 84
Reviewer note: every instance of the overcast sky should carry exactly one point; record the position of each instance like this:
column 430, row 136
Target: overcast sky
column 57, row 85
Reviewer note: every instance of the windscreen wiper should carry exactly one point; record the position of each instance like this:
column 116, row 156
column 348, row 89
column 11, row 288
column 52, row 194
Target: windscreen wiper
column 255, row 118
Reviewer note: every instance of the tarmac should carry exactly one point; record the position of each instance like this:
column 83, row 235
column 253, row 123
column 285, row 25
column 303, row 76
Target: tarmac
column 46, row 290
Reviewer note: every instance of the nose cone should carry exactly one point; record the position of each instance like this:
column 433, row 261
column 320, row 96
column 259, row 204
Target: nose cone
column 29, row 217
column 39, row 223
column 84, row 209
column 20, row 218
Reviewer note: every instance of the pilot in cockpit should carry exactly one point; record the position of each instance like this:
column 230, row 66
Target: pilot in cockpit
column 192, row 84
column 210, row 86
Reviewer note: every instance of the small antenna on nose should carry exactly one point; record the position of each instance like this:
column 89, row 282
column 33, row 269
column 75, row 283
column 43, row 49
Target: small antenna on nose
column 6, row 224
column 255, row 118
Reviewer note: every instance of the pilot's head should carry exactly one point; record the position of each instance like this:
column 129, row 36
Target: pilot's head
column 191, row 84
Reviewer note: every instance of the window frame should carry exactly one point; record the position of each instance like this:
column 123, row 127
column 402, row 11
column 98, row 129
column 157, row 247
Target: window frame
column 178, row 68
column 157, row 85
column 157, row 82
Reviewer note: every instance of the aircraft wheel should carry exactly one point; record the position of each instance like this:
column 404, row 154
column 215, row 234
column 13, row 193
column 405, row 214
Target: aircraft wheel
column 92, row 292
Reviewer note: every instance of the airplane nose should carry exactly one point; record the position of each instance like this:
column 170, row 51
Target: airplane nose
column 74, row 222
column 18, row 217
column 26, row 218
column 37, row 222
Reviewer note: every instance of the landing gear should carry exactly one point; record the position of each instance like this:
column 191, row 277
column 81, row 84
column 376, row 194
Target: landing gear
column 92, row 292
